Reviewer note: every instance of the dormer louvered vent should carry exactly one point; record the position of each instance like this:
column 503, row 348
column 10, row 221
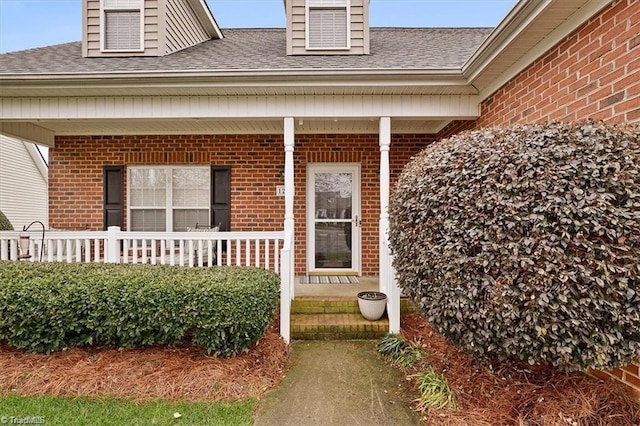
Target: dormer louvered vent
column 327, row 27
column 122, row 25
column 328, row 24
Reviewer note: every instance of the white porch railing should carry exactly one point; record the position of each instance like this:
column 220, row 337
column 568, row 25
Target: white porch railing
column 260, row 249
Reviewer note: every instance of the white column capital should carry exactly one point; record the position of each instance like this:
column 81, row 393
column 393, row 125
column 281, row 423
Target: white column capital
column 385, row 133
column 289, row 131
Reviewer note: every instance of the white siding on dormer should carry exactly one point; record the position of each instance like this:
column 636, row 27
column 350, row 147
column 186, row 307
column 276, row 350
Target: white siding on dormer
column 182, row 27
column 91, row 28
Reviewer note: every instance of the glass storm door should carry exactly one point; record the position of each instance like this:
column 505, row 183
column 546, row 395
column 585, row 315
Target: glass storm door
column 333, row 218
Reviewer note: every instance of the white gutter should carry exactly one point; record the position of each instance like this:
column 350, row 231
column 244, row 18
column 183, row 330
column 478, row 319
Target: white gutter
column 264, row 79
column 284, row 73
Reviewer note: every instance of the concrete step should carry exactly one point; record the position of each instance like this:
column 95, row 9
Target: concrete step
column 335, row 305
column 338, row 326
column 317, row 305
column 314, row 318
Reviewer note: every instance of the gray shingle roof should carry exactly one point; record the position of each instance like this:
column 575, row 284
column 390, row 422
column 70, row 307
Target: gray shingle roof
column 264, row 49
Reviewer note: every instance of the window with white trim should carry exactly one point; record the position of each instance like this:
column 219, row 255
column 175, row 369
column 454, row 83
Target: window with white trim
column 168, row 199
column 122, row 25
column 328, row 24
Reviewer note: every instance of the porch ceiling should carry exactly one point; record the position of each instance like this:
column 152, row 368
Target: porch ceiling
column 244, row 126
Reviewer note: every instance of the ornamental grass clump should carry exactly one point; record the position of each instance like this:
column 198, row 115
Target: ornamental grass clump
column 400, row 352
column 524, row 242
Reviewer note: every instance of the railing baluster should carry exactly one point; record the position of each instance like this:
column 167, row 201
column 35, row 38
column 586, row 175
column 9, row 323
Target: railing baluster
column 96, row 250
column 267, row 249
column 238, row 253
column 257, row 253
column 276, row 255
column 145, row 253
column 181, row 248
column 58, row 250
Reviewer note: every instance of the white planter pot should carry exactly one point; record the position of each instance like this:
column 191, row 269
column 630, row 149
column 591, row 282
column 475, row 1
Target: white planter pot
column 372, row 304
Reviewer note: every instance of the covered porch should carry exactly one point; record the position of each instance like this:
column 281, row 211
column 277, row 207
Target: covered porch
column 291, row 136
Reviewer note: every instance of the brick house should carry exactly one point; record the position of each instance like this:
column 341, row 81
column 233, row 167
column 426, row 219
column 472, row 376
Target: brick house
column 159, row 119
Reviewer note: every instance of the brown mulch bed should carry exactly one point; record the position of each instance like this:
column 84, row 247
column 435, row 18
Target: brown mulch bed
column 518, row 394
column 183, row 372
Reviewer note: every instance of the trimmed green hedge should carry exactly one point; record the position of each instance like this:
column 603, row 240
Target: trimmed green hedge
column 51, row 306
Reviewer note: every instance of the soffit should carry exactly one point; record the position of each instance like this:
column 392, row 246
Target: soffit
column 221, row 127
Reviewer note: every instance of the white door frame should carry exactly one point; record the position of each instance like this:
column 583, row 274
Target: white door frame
column 356, row 216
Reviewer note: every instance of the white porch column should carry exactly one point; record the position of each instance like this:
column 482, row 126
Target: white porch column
column 388, row 282
column 287, row 272
column 289, row 188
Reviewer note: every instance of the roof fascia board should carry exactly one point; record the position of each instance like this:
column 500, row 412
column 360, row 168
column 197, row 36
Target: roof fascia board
column 553, row 38
column 518, row 19
column 521, row 17
column 206, row 18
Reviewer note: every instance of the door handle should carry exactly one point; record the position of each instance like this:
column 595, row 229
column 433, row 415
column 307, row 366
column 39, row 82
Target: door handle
column 358, row 222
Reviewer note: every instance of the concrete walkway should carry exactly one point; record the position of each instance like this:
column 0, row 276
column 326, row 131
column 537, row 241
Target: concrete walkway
column 336, row 383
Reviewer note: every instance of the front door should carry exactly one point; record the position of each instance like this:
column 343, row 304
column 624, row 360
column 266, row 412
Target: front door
column 333, row 219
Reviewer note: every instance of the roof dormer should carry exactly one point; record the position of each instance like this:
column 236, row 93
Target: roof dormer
column 145, row 27
column 327, row 27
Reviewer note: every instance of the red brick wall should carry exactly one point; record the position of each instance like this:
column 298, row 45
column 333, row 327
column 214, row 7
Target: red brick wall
column 593, row 73
column 76, row 182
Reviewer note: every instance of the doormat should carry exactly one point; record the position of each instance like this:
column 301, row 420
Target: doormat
column 328, row 279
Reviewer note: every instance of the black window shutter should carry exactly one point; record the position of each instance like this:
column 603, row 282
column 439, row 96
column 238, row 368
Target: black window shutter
column 113, row 196
column 221, row 197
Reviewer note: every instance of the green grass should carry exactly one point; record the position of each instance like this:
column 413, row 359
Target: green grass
column 95, row 412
